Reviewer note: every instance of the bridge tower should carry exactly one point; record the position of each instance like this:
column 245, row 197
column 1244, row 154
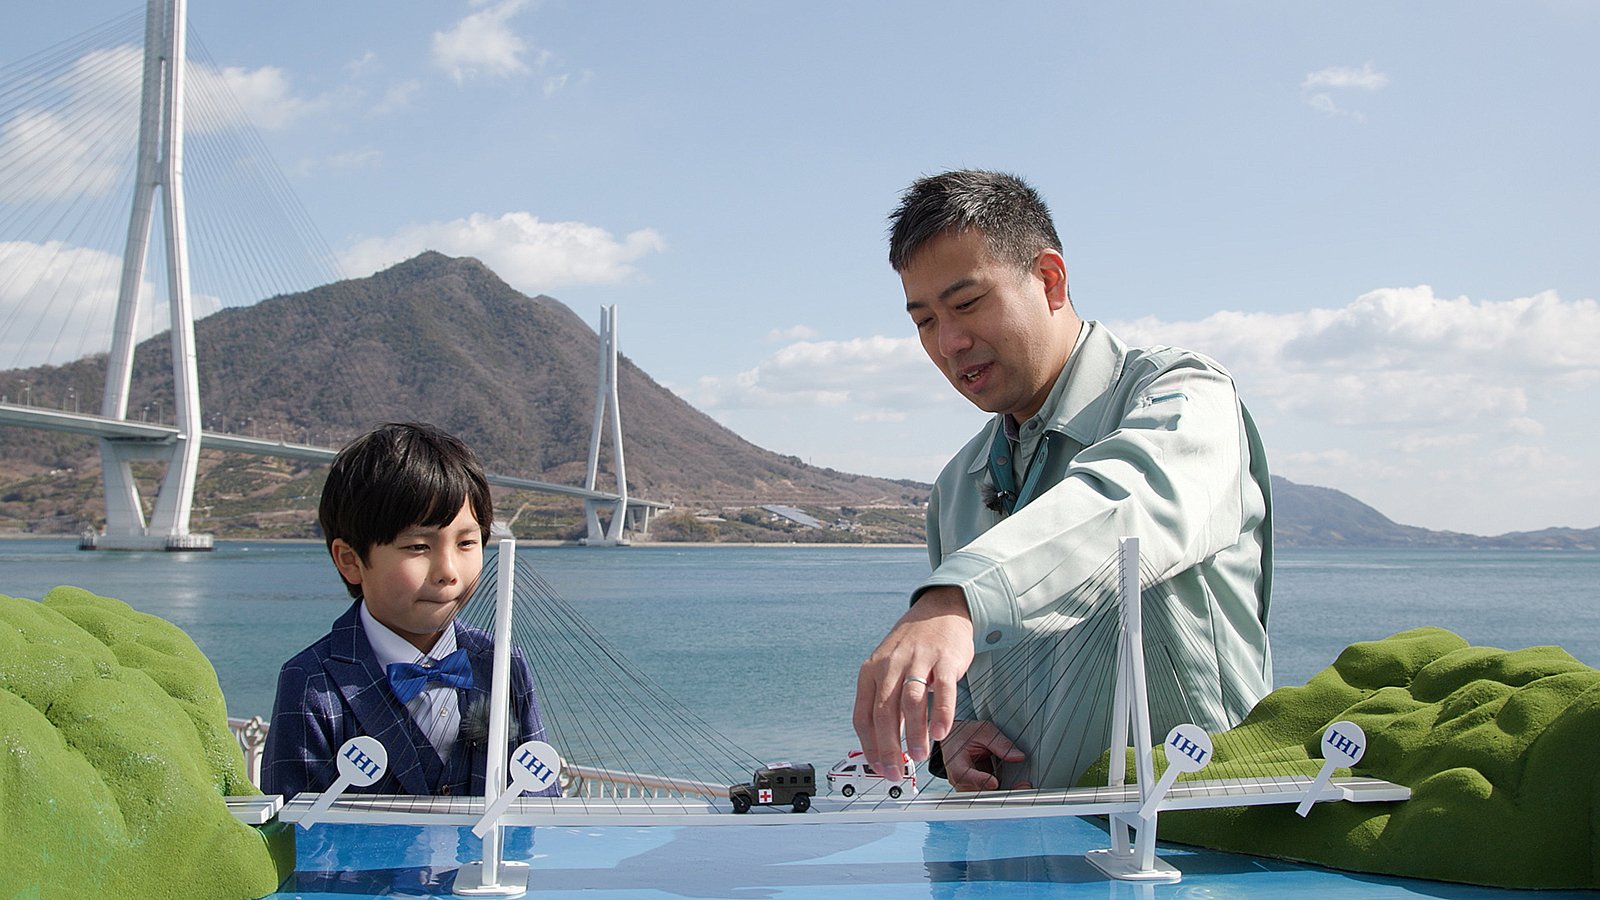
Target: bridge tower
column 160, row 169
column 608, row 416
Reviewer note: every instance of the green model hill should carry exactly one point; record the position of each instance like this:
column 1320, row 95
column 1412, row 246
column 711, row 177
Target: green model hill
column 115, row 755
column 1500, row 749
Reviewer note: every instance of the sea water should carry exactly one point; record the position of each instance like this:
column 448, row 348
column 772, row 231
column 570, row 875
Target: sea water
column 763, row 642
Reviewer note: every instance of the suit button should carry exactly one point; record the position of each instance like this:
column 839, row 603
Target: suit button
column 444, row 791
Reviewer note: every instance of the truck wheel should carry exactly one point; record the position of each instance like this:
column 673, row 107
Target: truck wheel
column 894, row 791
column 802, row 802
column 741, row 803
column 848, row 790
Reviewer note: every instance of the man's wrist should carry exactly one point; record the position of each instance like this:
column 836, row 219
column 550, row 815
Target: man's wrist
column 942, row 599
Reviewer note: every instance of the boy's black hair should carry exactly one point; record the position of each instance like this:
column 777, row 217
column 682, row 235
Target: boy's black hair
column 1003, row 207
column 396, row 476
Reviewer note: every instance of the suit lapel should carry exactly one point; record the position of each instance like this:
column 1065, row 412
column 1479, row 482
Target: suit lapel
column 365, row 687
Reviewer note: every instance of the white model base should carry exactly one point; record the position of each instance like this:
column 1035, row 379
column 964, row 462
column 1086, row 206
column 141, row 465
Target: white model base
column 1124, row 867
column 513, row 881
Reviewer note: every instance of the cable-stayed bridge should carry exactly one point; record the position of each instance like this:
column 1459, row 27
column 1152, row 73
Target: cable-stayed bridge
column 87, row 124
column 637, row 512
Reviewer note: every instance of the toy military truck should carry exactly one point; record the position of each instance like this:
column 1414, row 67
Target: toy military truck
column 776, row 785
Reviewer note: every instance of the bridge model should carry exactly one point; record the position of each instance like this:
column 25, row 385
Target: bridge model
column 1132, row 808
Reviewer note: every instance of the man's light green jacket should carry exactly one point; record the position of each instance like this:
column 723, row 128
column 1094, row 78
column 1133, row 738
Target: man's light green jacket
column 1152, row 443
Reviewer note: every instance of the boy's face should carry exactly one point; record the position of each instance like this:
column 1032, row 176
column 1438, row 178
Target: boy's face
column 415, row 585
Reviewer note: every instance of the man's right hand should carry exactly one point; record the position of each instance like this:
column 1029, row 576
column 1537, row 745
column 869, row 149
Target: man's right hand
column 909, row 682
column 972, row 756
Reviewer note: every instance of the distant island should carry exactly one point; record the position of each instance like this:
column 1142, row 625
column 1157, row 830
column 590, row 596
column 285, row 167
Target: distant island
column 324, row 365
column 1308, row 516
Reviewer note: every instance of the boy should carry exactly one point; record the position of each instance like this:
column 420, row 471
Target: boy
column 405, row 512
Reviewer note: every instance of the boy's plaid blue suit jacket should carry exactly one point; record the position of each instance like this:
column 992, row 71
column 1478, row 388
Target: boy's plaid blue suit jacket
column 335, row 690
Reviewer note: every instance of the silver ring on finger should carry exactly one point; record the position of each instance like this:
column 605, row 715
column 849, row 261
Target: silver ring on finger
column 912, row 679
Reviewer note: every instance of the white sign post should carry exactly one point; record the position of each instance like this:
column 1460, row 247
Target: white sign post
column 535, row 766
column 361, row 761
column 1188, row 750
column 1342, row 746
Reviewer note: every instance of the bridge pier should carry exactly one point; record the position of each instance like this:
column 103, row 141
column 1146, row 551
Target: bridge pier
column 168, row 528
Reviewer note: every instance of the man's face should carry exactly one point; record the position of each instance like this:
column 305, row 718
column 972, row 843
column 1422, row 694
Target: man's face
column 416, row 585
column 1001, row 335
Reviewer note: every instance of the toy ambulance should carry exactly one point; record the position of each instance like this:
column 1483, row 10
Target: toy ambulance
column 852, row 775
column 777, row 784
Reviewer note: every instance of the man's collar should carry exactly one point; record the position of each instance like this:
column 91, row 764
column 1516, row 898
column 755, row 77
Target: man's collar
column 1049, row 415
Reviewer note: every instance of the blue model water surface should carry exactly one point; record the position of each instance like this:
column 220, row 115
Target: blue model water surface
column 974, row 860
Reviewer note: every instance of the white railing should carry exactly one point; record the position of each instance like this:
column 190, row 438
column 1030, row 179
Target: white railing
column 587, row 781
column 251, row 734
column 576, row 781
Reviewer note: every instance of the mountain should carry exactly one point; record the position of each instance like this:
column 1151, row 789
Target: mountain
column 1307, row 516
column 435, row 339
column 444, row 340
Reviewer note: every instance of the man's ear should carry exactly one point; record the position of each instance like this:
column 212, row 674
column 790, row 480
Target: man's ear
column 346, row 560
column 1051, row 269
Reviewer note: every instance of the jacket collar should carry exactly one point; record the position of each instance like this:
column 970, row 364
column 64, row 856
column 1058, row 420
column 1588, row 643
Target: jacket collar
column 365, row 687
column 1076, row 401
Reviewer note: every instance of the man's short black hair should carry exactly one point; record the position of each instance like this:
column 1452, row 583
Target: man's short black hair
column 394, row 477
column 1003, row 207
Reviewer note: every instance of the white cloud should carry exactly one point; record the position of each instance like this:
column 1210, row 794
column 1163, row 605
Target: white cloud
column 53, row 158
column 1318, row 88
column 482, row 44
column 1457, row 413
column 531, row 255
column 354, row 159
column 58, row 302
column 396, row 97
column 263, row 94
column 1401, row 354
column 1443, row 412
column 1365, row 78
column 76, row 145
column 1520, row 456
column 792, row 333
column 351, row 160
column 1316, row 458
column 1528, row 427
column 366, row 64
column 872, row 373
column 873, row 404
column 1413, row 444
column 881, row 415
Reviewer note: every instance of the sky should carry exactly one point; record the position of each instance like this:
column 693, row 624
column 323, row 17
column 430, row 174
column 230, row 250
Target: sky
column 1381, row 218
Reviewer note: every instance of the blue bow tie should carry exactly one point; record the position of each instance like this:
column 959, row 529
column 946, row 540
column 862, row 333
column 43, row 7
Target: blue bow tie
column 408, row 679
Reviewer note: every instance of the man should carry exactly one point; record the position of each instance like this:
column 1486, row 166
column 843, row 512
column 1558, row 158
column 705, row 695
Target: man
column 1091, row 441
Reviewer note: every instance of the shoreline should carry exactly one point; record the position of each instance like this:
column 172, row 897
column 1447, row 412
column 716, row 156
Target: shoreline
column 532, row 542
